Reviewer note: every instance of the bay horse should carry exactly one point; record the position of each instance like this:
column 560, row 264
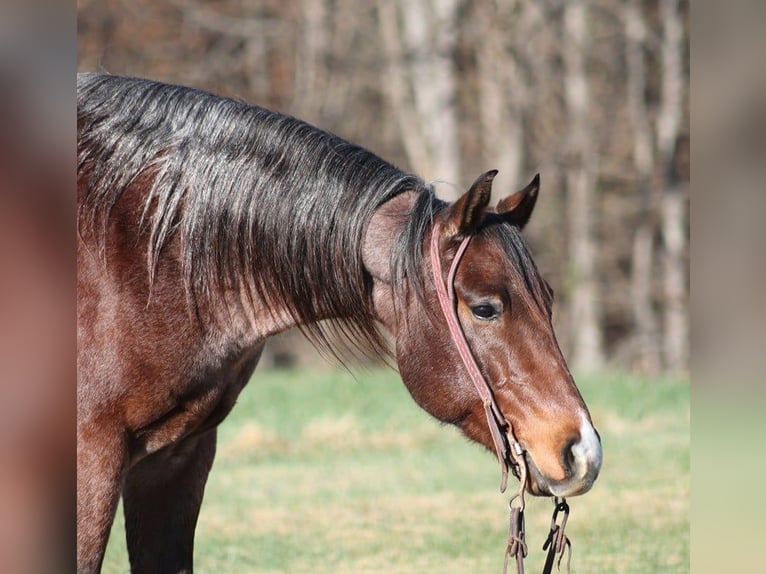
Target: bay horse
column 207, row 225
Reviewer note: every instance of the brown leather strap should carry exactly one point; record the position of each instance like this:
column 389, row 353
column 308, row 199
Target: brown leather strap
column 509, row 451
column 517, row 546
column 557, row 541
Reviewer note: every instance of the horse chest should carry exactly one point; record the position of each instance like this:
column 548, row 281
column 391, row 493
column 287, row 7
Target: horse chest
column 207, row 401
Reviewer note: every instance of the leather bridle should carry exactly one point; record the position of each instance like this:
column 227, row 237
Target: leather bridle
column 509, row 451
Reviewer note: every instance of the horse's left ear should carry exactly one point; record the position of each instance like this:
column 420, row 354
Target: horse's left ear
column 517, row 208
column 466, row 213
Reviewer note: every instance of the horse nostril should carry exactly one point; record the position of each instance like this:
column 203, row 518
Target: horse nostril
column 580, row 460
column 568, row 458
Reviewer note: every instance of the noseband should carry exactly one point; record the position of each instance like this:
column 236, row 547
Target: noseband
column 510, row 453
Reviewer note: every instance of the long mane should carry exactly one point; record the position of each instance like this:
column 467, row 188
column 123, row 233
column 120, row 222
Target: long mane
column 261, row 201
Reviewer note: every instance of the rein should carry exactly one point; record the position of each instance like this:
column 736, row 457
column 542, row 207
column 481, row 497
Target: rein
column 509, row 452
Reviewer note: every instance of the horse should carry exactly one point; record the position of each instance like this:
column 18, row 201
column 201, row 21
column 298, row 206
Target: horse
column 207, row 225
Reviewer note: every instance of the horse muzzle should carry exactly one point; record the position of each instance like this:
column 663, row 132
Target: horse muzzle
column 581, row 460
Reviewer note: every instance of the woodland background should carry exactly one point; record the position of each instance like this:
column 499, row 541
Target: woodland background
column 593, row 94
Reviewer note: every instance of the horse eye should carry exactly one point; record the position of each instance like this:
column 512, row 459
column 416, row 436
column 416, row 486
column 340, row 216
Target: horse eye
column 485, row 312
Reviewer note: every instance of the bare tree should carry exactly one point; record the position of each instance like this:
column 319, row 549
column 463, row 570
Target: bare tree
column 590, row 93
column 585, row 312
column 310, row 67
column 502, row 92
column 672, row 207
column 644, row 317
column 419, row 37
column 397, row 89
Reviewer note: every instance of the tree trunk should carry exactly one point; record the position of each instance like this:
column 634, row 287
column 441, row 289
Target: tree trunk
column 310, row 68
column 647, row 356
column 673, row 205
column 502, row 96
column 585, row 309
column 397, row 89
column 422, row 86
column 430, row 35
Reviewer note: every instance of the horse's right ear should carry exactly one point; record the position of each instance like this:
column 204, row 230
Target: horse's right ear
column 517, row 208
column 466, row 213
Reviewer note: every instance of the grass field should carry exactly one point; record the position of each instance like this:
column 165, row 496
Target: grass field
column 322, row 472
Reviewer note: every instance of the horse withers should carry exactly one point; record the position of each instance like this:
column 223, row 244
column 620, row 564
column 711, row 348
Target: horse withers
column 207, row 225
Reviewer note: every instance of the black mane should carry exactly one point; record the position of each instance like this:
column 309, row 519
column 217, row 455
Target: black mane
column 261, row 201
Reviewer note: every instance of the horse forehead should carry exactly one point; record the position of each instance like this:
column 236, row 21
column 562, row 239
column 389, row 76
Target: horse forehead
column 486, row 260
column 492, row 264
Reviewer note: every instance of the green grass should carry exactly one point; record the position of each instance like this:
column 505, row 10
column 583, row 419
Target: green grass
column 321, row 472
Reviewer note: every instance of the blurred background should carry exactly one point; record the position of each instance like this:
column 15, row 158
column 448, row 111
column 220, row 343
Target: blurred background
column 593, row 95
column 37, row 287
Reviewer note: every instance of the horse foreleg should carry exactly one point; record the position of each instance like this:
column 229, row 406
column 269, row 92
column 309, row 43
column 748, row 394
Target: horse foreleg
column 101, row 460
column 161, row 499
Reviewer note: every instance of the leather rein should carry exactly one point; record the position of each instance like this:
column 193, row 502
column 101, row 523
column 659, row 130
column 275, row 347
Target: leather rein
column 509, row 452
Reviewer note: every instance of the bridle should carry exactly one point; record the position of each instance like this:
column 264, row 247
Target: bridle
column 509, row 451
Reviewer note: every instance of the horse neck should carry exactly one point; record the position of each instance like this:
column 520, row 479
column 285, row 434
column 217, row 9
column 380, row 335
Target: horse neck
column 384, row 229
column 260, row 319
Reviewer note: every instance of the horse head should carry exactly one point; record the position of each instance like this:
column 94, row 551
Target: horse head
column 504, row 308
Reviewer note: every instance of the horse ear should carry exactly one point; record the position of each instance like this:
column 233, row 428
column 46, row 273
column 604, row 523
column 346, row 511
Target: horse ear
column 516, row 209
column 467, row 212
column 385, row 226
